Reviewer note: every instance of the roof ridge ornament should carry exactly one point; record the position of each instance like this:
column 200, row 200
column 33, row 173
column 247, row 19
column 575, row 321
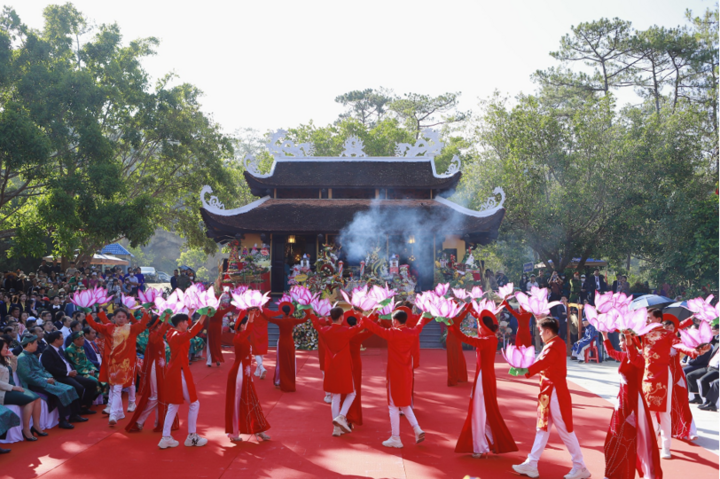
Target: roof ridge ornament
column 288, row 148
column 215, row 206
column 452, row 169
column 489, row 208
column 214, row 202
column 422, row 147
column 353, row 147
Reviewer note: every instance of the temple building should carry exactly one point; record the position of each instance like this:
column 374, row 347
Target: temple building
column 396, row 206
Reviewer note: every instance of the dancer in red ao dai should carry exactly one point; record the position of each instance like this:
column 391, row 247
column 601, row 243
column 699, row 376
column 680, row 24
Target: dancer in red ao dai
column 484, row 429
column 243, row 413
column 401, row 343
column 214, row 331
column 152, row 383
column 121, row 337
column 259, row 342
column 284, row 378
column 630, row 443
column 180, row 386
column 338, row 367
column 354, row 415
column 554, row 403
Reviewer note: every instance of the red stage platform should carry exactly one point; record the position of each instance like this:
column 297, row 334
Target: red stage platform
column 302, row 446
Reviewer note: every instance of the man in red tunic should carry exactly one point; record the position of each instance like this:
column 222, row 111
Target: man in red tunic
column 259, row 342
column 554, row 403
column 401, row 344
column 338, row 366
column 180, row 386
column 121, row 339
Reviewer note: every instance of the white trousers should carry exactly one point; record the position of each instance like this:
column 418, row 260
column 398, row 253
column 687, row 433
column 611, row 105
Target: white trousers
column 335, row 405
column 207, row 351
column 152, row 401
column 568, row 438
column 645, row 442
column 395, row 416
column 665, row 418
column 480, row 428
column 173, row 410
column 115, row 399
column 259, row 369
column 236, row 408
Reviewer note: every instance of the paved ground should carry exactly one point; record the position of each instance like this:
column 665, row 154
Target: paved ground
column 602, row 379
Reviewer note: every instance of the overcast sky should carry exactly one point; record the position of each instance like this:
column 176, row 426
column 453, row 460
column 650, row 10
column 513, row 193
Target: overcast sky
column 272, row 64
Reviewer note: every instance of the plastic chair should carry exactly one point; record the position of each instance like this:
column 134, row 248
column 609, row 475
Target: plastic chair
column 594, row 350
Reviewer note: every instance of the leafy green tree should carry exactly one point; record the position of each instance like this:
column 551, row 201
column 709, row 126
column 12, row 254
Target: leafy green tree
column 126, row 157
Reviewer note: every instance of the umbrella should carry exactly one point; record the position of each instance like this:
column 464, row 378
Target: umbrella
column 679, row 310
column 650, row 301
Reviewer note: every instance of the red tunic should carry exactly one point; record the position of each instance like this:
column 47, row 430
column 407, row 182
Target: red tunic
column 621, row 442
column 154, row 355
column 321, row 344
column 354, row 415
column 412, row 320
column 401, row 342
column 338, row 361
column 180, row 364
column 285, row 349
column 250, row 417
column 682, row 418
column 501, row 440
column 214, row 334
column 523, row 337
column 259, row 336
column 656, row 352
column 552, row 366
column 121, row 341
column 456, row 365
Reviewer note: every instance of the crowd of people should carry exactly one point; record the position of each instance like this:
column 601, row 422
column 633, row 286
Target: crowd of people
column 93, row 358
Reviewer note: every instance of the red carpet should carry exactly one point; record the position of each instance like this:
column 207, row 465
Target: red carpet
column 302, row 446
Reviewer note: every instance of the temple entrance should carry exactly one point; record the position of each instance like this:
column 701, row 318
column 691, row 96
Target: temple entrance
column 287, row 251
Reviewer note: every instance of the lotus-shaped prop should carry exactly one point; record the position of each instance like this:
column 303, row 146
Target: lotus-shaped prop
column 302, row 297
column 635, row 321
column 444, row 309
column 387, row 310
column 486, row 304
column 507, row 290
column 460, row 293
column 423, row 301
column 360, row 299
column 321, row 307
column 605, row 322
column 476, row 292
column 381, row 295
column 174, row 304
column 250, row 299
column 148, row 297
column 519, row 358
column 537, row 302
column 101, row 295
column 441, row 289
column 207, row 301
column 129, row 302
column 693, row 338
column 702, row 309
column 604, row 302
column 84, row 300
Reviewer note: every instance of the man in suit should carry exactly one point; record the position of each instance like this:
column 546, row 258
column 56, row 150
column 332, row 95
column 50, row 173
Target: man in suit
column 42, row 345
column 701, row 378
column 54, row 362
column 595, row 283
column 561, row 313
column 91, row 351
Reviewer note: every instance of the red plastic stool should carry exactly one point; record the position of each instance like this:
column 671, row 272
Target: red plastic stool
column 594, row 350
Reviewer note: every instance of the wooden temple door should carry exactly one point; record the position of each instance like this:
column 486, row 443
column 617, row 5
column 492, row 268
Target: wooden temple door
column 277, row 263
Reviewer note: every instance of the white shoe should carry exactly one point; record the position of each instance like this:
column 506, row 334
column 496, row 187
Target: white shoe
column 341, row 422
column 337, row 432
column 235, row 438
column 328, row 398
column 419, row 435
column 195, row 440
column 262, row 436
column 665, row 454
column 480, row 455
column 578, row 473
column 113, row 420
column 131, row 407
column 263, row 373
column 526, row 470
column 394, row 441
column 168, row 441
column 106, row 410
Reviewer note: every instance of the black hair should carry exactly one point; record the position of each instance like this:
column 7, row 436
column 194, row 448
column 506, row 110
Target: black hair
column 52, row 337
column 489, row 323
column 42, row 314
column 352, row 320
column 336, row 312
column 3, row 341
column 8, row 329
column 657, row 314
column 551, row 324
column 244, row 320
column 179, row 318
column 76, row 314
column 286, row 309
column 668, row 322
column 74, row 323
column 87, row 330
column 400, row 316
